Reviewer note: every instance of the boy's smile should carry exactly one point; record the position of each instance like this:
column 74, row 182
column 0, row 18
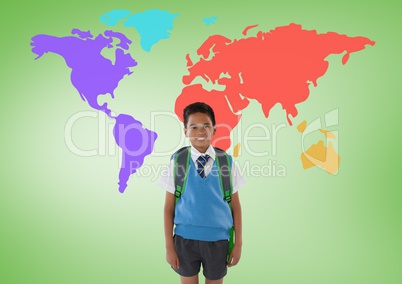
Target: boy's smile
column 200, row 130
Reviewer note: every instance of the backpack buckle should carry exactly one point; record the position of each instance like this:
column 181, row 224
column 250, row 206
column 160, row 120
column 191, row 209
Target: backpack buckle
column 177, row 192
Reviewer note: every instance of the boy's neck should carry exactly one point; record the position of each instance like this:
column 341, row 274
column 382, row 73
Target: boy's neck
column 202, row 150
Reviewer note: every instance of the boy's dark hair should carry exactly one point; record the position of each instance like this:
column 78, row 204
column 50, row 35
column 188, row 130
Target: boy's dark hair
column 198, row 107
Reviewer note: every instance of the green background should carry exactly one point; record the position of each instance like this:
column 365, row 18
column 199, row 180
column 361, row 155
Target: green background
column 63, row 220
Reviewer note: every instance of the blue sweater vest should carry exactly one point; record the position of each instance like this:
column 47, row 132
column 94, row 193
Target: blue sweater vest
column 201, row 213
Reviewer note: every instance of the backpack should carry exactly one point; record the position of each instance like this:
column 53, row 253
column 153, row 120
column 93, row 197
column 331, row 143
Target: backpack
column 181, row 162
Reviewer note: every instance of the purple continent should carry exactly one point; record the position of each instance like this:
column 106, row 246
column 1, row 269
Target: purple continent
column 136, row 142
column 92, row 74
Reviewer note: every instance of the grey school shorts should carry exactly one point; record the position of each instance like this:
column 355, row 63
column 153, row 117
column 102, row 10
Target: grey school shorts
column 211, row 255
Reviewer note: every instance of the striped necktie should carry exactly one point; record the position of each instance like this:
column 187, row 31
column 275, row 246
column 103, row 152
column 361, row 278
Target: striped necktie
column 201, row 161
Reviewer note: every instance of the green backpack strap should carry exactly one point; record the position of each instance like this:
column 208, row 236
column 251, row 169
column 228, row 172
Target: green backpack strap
column 181, row 161
column 225, row 175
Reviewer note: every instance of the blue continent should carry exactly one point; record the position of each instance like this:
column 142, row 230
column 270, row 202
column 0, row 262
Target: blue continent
column 152, row 25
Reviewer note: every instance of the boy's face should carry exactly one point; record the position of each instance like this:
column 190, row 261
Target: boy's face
column 199, row 130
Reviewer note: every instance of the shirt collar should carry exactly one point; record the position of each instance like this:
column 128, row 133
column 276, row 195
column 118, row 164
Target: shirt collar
column 210, row 151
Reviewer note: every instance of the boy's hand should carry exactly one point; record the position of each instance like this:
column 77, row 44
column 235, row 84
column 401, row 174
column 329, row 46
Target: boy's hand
column 172, row 258
column 235, row 255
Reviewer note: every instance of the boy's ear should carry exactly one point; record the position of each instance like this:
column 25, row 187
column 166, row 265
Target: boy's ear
column 214, row 130
column 185, row 132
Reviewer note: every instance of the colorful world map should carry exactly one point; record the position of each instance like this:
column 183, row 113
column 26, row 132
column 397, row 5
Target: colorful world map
column 271, row 67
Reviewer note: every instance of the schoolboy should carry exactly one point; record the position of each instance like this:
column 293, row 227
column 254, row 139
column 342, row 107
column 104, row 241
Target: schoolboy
column 202, row 218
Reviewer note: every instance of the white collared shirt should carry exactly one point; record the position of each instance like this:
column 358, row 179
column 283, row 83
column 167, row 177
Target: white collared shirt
column 167, row 179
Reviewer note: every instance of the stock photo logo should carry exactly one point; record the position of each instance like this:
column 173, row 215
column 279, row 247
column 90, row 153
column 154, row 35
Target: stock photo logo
column 271, row 67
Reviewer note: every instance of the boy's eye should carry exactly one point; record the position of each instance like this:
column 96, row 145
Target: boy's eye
column 194, row 127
